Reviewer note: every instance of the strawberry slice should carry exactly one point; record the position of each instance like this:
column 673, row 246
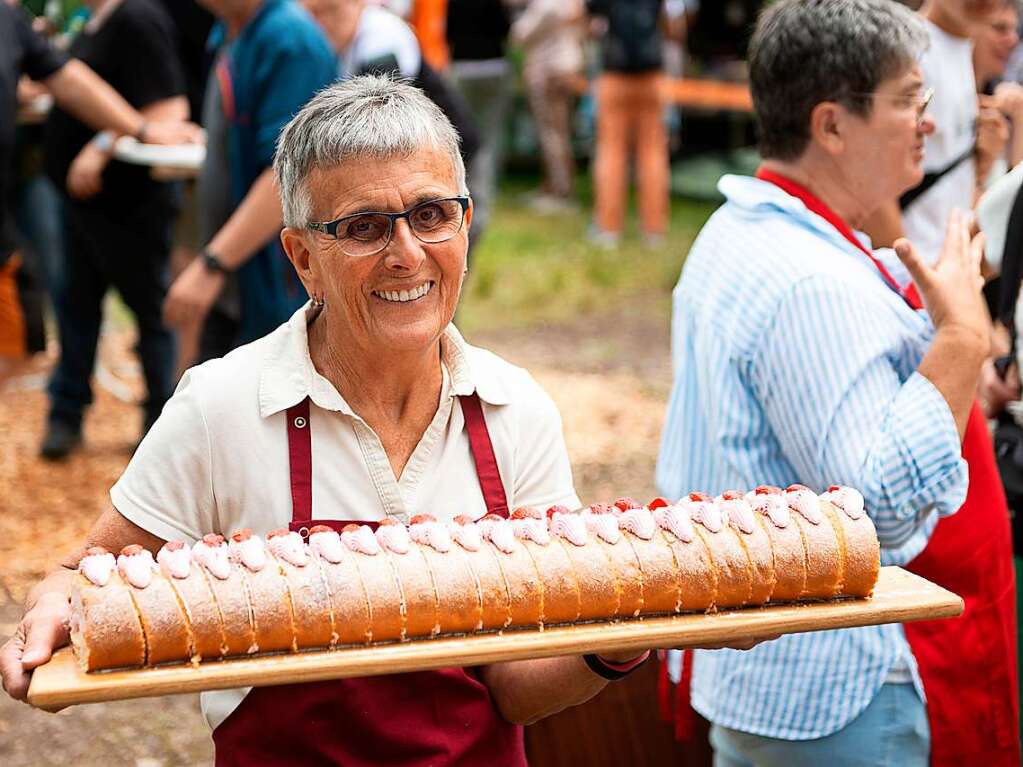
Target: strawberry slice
column 602, row 508
column 241, row 535
column 419, row 519
column 793, row 488
column 767, row 490
column 556, row 510
column 834, row 488
column 463, row 519
column 624, row 504
column 697, row 496
column 320, row 529
column 527, row 512
column 389, row 521
column 732, row 495
column 277, row 533
column 212, row 539
column 169, row 545
column 132, row 549
column 351, row 527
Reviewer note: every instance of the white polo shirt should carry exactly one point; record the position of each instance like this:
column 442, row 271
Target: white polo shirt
column 217, row 458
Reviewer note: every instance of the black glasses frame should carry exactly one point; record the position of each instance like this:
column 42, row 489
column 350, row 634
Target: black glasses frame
column 330, row 228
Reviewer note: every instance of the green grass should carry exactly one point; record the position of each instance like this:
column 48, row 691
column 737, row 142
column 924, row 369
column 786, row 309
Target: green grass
column 530, row 268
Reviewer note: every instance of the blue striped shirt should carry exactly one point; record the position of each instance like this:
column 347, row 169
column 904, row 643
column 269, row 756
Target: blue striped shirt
column 795, row 362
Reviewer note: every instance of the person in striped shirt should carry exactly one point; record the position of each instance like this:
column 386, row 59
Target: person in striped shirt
column 801, row 355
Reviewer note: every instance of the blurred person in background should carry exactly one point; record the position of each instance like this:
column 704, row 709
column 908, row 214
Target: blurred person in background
column 630, row 119
column 551, row 35
column 118, row 219
column 968, row 137
column 80, row 91
column 370, row 39
column 477, row 37
column 270, row 58
column 994, row 41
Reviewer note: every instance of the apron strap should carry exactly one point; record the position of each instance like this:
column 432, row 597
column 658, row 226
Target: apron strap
column 483, row 455
column 300, row 456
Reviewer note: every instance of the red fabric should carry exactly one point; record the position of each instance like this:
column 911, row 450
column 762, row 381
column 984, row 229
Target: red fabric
column 483, row 454
column 400, row 720
column 664, row 701
column 685, row 716
column 300, row 458
column 968, row 665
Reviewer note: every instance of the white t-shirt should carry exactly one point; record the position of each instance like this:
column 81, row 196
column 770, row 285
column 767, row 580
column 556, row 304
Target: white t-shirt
column 948, row 68
column 379, row 36
column 217, row 458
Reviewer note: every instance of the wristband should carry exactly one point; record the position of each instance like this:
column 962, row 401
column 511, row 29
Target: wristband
column 211, row 262
column 103, row 141
column 614, row 671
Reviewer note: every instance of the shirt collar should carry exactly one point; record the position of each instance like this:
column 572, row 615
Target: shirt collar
column 753, row 194
column 287, row 375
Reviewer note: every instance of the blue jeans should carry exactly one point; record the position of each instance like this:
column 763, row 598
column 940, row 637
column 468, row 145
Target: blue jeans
column 891, row 732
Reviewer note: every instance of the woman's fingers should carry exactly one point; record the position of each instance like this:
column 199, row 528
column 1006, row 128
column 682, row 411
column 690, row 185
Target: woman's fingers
column 918, row 270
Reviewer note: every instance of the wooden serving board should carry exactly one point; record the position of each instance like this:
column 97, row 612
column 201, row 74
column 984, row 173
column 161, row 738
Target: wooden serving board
column 900, row 596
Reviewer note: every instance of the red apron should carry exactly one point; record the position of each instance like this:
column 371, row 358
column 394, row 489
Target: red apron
column 442, row 717
column 968, row 666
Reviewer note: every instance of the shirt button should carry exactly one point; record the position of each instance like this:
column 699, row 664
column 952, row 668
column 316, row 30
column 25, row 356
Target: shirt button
column 300, row 422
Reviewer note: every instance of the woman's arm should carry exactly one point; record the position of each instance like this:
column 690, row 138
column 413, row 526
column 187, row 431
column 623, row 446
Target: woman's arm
column 527, row 691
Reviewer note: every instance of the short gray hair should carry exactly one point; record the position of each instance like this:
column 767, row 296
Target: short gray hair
column 804, row 52
column 365, row 116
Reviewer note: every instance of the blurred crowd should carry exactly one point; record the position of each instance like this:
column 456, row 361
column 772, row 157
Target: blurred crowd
column 197, row 262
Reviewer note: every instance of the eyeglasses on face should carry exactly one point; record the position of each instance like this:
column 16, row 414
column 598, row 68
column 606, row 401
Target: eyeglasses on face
column 368, row 233
column 920, row 100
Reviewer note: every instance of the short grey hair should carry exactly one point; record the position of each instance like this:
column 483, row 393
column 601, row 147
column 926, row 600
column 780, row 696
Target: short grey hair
column 365, row 116
column 804, row 52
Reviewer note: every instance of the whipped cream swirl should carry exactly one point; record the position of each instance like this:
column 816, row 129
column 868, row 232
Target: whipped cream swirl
column 640, row 522
column 289, row 546
column 603, row 524
column 360, row 538
column 675, row 519
column 771, row 505
column 97, row 565
column 136, row 566
column 212, row 553
column 176, row 559
column 848, row 499
column 248, row 550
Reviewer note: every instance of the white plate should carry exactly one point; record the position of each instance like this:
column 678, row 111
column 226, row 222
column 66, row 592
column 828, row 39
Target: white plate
column 180, row 156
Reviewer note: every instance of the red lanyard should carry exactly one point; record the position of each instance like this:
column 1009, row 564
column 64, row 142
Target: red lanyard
column 815, row 205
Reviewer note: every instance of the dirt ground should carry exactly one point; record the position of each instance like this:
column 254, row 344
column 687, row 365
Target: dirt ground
column 609, row 374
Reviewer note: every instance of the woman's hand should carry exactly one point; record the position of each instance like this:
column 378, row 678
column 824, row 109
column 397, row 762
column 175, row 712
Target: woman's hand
column 624, row 656
column 85, row 176
column 951, row 288
column 43, row 629
column 191, row 296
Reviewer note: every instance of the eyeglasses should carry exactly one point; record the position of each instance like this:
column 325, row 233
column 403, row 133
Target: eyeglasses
column 366, row 234
column 921, row 101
